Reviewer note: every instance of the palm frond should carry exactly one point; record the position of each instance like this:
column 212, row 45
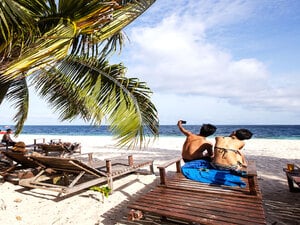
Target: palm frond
column 18, row 94
column 92, row 89
column 122, row 17
column 48, row 49
column 64, row 45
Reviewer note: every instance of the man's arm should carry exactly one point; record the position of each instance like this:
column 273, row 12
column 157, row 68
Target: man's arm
column 182, row 129
column 210, row 151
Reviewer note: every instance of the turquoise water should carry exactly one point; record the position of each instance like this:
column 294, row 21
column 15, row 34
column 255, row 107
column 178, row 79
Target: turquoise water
column 259, row 131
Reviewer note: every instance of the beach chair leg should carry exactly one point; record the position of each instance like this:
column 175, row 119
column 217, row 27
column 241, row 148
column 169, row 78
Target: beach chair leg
column 130, row 160
column 290, row 183
column 109, row 178
column 110, row 184
column 151, row 169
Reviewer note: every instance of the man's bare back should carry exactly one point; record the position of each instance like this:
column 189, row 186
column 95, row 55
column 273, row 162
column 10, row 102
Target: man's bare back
column 196, row 146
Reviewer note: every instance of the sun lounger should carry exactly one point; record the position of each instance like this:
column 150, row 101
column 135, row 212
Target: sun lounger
column 60, row 149
column 180, row 199
column 17, row 166
column 70, row 175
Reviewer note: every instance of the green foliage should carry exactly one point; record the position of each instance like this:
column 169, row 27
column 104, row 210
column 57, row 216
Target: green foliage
column 104, row 190
column 61, row 48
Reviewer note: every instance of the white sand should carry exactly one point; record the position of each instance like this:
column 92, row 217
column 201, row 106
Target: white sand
column 39, row 207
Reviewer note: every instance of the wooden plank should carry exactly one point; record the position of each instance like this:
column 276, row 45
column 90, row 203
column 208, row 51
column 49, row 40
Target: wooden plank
column 204, row 208
column 20, row 158
column 178, row 181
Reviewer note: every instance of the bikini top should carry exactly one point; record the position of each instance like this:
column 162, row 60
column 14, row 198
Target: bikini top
column 225, row 150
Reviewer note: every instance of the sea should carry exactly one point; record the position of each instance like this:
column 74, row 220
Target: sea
column 259, row 131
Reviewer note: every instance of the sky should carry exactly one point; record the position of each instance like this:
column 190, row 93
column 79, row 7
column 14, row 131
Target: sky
column 208, row 61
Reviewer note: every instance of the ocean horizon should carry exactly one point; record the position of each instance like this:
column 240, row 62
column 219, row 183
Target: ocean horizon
column 259, row 131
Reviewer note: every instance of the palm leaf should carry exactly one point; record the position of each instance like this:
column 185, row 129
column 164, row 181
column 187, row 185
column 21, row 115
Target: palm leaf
column 102, row 22
column 18, row 94
column 52, row 46
column 38, row 36
column 92, row 89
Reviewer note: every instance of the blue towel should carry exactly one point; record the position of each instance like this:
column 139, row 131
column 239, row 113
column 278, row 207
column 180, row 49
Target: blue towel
column 202, row 171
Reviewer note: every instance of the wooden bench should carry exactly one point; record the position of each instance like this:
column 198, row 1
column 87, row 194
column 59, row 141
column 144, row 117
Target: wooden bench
column 178, row 198
column 293, row 177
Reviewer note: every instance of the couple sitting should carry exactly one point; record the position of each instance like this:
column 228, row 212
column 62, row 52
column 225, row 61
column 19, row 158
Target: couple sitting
column 226, row 154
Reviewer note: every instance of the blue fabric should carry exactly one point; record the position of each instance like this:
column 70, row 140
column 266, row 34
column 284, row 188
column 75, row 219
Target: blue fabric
column 202, row 171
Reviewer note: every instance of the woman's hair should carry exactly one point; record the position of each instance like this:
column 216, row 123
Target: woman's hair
column 243, row 134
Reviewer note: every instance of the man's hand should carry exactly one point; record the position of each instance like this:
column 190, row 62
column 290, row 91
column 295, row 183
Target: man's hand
column 179, row 123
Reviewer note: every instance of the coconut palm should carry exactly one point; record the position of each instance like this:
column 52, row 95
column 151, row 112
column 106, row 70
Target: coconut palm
column 61, row 49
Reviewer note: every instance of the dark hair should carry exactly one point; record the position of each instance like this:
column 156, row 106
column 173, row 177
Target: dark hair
column 8, row 130
column 207, row 129
column 243, row 134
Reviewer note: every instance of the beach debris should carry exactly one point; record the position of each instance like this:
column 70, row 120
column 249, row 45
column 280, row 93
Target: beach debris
column 104, row 190
column 3, row 205
column 56, row 179
column 18, row 200
column 134, row 215
column 19, row 218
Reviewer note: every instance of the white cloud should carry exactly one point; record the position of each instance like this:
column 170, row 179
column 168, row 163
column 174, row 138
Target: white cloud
column 180, row 48
column 175, row 56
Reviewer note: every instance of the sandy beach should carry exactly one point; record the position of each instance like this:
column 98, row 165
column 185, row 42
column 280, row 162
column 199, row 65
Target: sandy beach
column 23, row 206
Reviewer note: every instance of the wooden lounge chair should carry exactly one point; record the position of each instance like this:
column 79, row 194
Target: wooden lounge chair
column 180, row 199
column 70, row 175
column 60, row 149
column 16, row 166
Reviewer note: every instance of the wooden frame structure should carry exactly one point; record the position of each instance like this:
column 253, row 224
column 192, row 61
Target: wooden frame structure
column 70, row 175
column 180, row 199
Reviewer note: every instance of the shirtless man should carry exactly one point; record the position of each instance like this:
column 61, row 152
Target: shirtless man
column 196, row 146
column 227, row 151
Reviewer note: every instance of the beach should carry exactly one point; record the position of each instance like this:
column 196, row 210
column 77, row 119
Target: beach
column 19, row 205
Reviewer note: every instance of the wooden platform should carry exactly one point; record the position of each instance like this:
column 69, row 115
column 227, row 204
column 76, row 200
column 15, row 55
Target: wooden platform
column 194, row 202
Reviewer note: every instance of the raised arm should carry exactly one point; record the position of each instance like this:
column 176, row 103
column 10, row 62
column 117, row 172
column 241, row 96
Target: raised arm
column 182, row 129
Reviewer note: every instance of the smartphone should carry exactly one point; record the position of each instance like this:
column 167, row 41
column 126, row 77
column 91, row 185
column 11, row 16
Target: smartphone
column 183, row 122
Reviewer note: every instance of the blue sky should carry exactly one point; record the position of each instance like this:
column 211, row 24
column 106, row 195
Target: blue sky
column 222, row 62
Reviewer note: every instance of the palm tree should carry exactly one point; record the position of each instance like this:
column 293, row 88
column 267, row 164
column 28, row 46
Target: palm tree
column 61, row 49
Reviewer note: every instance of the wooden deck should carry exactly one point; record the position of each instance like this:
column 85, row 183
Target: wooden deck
column 194, row 202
